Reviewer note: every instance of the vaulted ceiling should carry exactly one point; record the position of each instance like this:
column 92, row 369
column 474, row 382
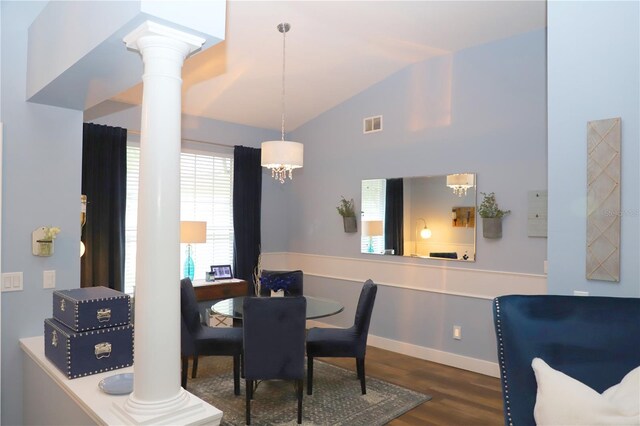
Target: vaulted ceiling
column 335, row 49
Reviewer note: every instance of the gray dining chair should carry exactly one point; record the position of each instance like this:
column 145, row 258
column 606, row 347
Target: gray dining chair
column 344, row 342
column 274, row 331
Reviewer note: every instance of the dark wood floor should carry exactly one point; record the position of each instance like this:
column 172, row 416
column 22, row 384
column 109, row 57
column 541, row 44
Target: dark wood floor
column 459, row 397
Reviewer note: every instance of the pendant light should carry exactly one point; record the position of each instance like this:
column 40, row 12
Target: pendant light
column 282, row 156
column 461, row 182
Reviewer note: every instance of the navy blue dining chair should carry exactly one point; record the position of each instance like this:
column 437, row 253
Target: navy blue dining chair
column 344, row 342
column 274, row 332
column 293, row 280
column 198, row 339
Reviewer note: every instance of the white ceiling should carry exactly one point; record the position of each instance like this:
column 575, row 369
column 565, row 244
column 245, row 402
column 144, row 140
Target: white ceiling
column 335, row 49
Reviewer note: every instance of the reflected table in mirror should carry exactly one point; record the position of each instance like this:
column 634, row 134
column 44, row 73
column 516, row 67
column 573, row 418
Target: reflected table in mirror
column 316, row 307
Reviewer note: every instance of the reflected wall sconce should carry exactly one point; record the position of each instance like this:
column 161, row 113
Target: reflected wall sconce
column 461, row 182
column 282, row 156
column 372, row 228
column 425, row 232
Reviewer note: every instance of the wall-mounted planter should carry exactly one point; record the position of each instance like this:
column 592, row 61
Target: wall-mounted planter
column 350, row 224
column 492, row 227
column 41, row 242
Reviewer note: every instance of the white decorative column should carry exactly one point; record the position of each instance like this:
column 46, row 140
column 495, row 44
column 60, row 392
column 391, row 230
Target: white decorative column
column 157, row 396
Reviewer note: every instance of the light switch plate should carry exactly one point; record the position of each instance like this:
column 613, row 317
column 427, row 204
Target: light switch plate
column 12, row 281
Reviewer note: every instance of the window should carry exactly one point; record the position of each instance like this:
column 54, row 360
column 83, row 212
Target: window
column 206, row 181
column 373, row 205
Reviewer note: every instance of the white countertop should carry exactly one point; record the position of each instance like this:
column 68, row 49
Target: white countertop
column 84, row 391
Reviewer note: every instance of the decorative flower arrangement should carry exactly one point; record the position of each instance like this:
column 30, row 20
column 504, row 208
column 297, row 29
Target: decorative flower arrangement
column 276, row 282
column 50, row 233
column 346, row 208
column 45, row 242
column 489, row 207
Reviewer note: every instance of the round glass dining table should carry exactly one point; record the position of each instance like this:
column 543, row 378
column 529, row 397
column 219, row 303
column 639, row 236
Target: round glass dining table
column 316, row 307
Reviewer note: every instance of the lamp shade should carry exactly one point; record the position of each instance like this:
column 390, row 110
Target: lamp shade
column 461, row 182
column 193, row 232
column 372, row 228
column 282, row 153
column 461, row 179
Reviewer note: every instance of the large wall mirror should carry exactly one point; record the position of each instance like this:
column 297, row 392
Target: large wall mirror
column 426, row 217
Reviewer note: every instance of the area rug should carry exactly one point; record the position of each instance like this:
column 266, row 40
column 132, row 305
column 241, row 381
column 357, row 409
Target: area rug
column 336, row 398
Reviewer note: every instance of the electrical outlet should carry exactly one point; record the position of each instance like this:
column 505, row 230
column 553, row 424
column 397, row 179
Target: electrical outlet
column 457, row 332
column 49, row 279
column 580, row 293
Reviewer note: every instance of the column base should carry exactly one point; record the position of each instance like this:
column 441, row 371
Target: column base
column 184, row 409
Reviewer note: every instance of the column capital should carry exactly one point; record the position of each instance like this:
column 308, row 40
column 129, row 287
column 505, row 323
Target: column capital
column 150, row 28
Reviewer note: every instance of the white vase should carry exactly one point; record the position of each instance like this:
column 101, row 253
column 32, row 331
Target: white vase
column 279, row 293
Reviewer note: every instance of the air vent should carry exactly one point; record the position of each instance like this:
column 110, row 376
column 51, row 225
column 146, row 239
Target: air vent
column 372, row 124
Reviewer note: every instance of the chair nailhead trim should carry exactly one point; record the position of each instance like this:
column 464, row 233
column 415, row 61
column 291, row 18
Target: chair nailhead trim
column 502, row 362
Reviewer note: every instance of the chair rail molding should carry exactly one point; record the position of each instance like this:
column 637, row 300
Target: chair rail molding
column 454, row 281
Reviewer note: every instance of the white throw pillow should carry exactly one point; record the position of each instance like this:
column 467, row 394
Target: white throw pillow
column 563, row 400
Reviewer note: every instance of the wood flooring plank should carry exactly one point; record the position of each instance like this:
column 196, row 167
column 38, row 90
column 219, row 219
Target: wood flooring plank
column 459, row 397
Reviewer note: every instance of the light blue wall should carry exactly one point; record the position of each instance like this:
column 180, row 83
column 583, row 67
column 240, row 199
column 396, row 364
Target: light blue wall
column 491, row 121
column 481, row 110
column 41, row 186
column 594, row 73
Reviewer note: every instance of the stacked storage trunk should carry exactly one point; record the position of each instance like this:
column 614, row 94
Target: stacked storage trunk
column 90, row 332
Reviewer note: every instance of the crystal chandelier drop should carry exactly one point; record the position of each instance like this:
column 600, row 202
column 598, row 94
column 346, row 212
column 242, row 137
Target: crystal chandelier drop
column 461, row 182
column 282, row 156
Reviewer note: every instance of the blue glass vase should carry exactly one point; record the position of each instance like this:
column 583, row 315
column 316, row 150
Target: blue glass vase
column 189, row 268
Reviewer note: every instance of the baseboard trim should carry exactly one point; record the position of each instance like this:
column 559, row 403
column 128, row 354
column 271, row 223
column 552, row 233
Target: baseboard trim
column 480, row 366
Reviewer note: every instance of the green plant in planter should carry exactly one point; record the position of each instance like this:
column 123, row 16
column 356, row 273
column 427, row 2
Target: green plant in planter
column 347, row 211
column 345, row 208
column 489, row 207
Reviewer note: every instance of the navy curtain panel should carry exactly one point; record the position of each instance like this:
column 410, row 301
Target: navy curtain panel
column 247, row 200
column 393, row 213
column 104, row 182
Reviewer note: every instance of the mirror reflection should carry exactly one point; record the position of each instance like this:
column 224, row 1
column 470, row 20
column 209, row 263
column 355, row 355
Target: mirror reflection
column 426, row 217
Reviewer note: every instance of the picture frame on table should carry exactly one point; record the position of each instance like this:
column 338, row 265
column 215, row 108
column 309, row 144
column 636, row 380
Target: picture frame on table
column 220, row 272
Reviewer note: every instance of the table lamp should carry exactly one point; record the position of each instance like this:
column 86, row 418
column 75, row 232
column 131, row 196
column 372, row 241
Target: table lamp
column 372, row 228
column 190, row 233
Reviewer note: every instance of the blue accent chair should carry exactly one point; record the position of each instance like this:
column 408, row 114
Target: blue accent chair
column 344, row 342
column 593, row 339
column 294, row 289
column 198, row 339
column 274, row 331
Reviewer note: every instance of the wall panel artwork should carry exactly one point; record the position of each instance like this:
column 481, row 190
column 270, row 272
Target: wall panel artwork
column 603, row 200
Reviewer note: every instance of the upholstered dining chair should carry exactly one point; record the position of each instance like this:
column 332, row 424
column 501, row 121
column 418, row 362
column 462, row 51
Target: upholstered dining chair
column 274, row 331
column 198, row 339
column 294, row 280
column 344, row 342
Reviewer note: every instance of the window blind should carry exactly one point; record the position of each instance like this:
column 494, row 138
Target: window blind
column 206, row 187
column 373, row 205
